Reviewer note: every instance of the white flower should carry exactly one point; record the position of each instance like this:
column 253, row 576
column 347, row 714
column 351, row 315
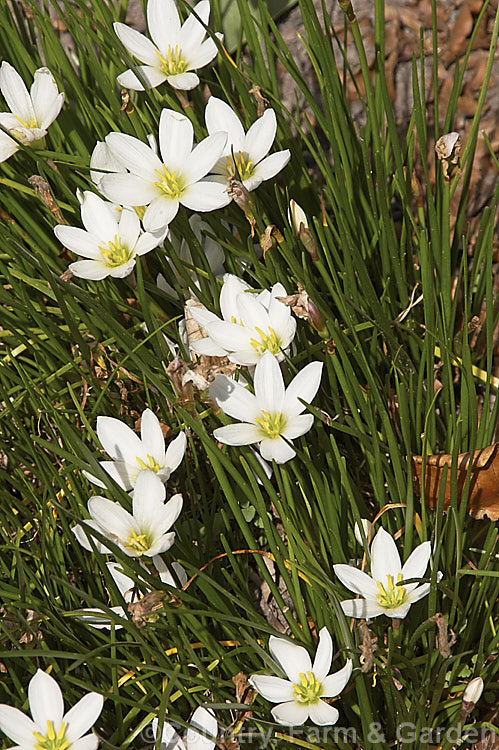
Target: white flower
column 51, row 728
column 110, row 245
column 213, row 251
column 383, row 591
column 163, row 185
column 252, row 324
column 145, row 531
column 274, row 414
column 297, row 216
column 132, row 455
column 97, row 618
column 201, row 734
column 30, row 113
column 174, row 51
column 300, row 696
column 103, row 160
column 247, row 150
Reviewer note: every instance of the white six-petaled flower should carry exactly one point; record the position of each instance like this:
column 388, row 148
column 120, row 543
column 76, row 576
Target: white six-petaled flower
column 201, row 734
column 30, row 112
column 145, row 531
column 245, row 154
column 109, row 243
column 273, row 415
column 384, row 591
column 174, row 52
column 300, row 696
column 50, row 728
column 163, row 186
column 252, row 324
column 132, row 455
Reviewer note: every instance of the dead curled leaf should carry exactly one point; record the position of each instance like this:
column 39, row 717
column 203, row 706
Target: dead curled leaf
column 448, row 148
column 444, row 642
column 483, row 500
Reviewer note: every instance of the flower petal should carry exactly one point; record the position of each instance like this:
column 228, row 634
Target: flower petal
column 82, row 716
column 45, row 96
column 356, row 580
column 273, row 689
column 269, row 167
column 175, row 452
column 269, row 385
column 219, row 116
column 113, row 519
column 128, row 189
column 238, row 434
column 163, row 23
column 417, row 562
column 78, row 241
column 416, row 594
column 151, row 436
column 93, row 270
column 137, row 44
column 183, row 81
column 291, row 713
column 89, row 742
column 160, row 212
column 15, row 93
column 8, row 146
column 334, row 683
column 176, row 135
column 304, row 385
column 118, row 440
column 148, row 502
column 260, row 136
column 206, row 195
column 276, row 449
column 98, row 217
column 292, row 658
column 322, row 713
column 141, row 77
column 204, row 720
column 385, row 559
column 193, row 31
column 323, row 655
column 234, row 399
column 45, row 700
column 362, row 608
column 137, row 156
column 298, row 426
column 121, row 472
column 17, row 726
column 201, row 56
column 204, row 156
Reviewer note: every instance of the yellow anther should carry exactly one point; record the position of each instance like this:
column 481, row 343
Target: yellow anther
column 31, row 124
column 114, row 253
column 172, row 63
column 268, row 341
column 308, row 690
column 271, row 425
column 52, row 741
column 239, row 165
column 392, row 595
column 137, row 542
column 171, row 185
column 153, row 465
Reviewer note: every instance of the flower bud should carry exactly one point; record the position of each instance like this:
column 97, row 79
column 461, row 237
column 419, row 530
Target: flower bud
column 472, row 693
column 366, row 525
column 298, row 219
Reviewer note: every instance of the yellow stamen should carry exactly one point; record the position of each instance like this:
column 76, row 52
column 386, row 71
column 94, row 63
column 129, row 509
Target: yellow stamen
column 271, row 425
column 391, row 595
column 173, row 63
column 153, row 465
column 268, row 341
column 308, row 690
column 239, row 165
column 52, row 741
column 31, row 124
column 171, row 185
column 137, row 542
column 115, row 254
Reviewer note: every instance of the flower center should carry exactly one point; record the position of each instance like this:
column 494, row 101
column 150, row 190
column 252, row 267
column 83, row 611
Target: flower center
column 52, row 741
column 271, row 425
column 308, row 690
column 171, row 185
column 391, row 595
column 173, row 63
column 239, row 165
column 268, row 341
column 115, row 254
column 137, row 542
column 153, row 465
column 31, row 124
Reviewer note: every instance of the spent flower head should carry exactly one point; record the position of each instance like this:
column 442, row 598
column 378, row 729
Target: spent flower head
column 251, row 324
column 384, row 590
column 51, row 728
column 163, row 184
column 300, row 696
column 31, row 112
column 133, row 455
column 144, row 531
column 245, row 154
column 272, row 417
column 175, row 50
column 109, row 243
